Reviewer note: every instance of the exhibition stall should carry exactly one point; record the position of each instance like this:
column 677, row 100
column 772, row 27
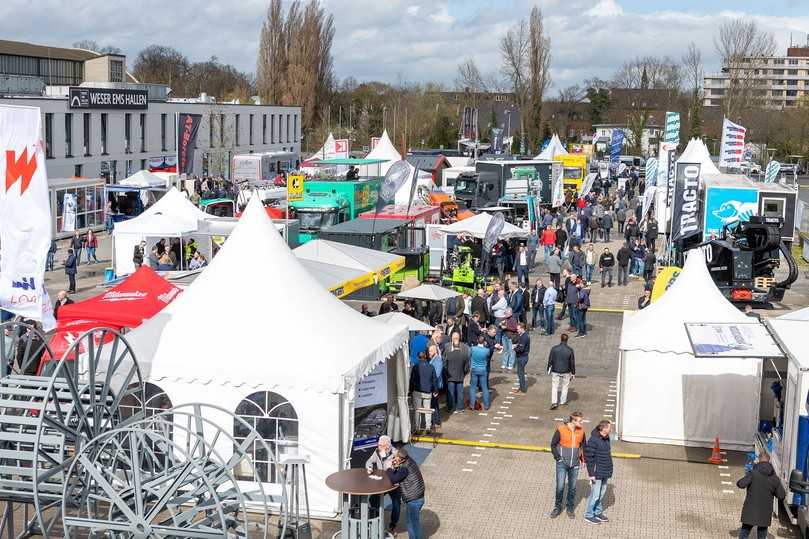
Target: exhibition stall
column 257, row 334
column 668, row 395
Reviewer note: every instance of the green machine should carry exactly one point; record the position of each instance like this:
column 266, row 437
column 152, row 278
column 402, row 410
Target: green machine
column 331, row 202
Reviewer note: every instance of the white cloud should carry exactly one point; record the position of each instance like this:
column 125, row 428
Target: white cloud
column 413, row 10
column 605, row 8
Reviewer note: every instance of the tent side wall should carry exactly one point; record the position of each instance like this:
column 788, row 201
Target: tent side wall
column 682, row 400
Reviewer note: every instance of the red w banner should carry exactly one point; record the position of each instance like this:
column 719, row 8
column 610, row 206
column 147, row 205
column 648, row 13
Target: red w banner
column 25, row 216
column 187, row 127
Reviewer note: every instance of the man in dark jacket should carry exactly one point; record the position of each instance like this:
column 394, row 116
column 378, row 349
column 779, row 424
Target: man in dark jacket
column 76, row 243
column 406, row 475
column 70, row 270
column 605, row 263
column 761, row 485
column 61, row 299
column 651, row 232
column 479, row 306
column 521, row 349
column 516, row 301
column 606, row 225
column 562, row 368
column 649, row 261
column 577, row 260
column 567, row 447
column 456, row 364
column 598, row 457
column 537, row 296
column 624, row 255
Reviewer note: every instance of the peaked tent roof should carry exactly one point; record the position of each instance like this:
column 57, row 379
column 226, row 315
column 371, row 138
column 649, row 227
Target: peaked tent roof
column 327, row 151
column 144, row 178
column 349, row 256
column 338, row 280
column 395, row 317
column 429, row 292
column 554, row 148
column 172, row 212
column 384, row 149
column 697, row 152
column 660, row 326
column 349, row 344
column 135, row 299
column 476, row 226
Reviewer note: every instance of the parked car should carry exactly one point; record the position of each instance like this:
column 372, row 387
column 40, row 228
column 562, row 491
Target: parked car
column 749, row 167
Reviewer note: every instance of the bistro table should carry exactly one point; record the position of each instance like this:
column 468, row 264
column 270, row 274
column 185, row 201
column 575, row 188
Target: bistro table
column 357, row 483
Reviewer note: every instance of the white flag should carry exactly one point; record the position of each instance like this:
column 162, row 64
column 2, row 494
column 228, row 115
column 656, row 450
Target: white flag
column 25, row 216
column 731, row 153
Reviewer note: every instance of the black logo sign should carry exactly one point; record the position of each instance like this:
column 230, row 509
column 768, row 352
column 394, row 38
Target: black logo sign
column 107, row 98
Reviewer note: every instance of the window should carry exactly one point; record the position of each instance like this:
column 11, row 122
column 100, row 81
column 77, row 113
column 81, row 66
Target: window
column 104, row 133
column 719, row 91
column 779, row 61
column 280, row 132
column 77, row 171
column 237, row 128
column 272, row 128
column 793, row 62
column 777, row 93
column 49, row 135
column 792, row 71
column 295, row 128
column 264, row 129
column 163, row 132
column 276, row 421
column 143, row 134
column 210, row 130
column 222, row 130
column 792, row 82
column 116, row 71
column 287, row 126
column 792, row 93
column 127, row 132
column 250, row 134
column 143, row 164
column 156, row 401
column 86, row 118
column 68, row 135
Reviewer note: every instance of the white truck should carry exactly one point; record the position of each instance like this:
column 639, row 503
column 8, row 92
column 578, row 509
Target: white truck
column 259, row 168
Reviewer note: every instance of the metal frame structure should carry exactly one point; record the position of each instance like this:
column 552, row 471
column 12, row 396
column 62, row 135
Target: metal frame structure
column 22, row 348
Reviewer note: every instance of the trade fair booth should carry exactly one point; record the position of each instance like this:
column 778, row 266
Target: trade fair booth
column 313, row 375
column 666, row 394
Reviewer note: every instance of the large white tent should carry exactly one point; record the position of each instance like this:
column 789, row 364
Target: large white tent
column 256, row 325
column 145, row 179
column 476, row 226
column 554, row 148
column 666, row 395
column 424, row 184
column 697, row 152
column 384, row 149
column 350, row 256
column 170, row 217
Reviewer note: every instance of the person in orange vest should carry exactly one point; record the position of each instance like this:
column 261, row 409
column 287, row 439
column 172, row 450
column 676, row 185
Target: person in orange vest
column 567, row 446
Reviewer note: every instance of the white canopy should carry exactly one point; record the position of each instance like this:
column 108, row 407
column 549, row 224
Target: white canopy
column 384, row 149
column 397, row 318
column 800, row 314
column 424, row 184
column 697, row 152
column 666, row 395
column 349, row 256
column 476, row 227
column 554, row 148
column 256, row 321
column 429, row 292
column 327, row 151
column 144, row 178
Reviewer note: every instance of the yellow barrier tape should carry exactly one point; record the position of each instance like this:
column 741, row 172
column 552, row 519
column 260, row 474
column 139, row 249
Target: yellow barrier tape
column 501, row 445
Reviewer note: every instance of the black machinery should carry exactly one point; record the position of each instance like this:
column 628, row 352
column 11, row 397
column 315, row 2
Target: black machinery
column 743, row 261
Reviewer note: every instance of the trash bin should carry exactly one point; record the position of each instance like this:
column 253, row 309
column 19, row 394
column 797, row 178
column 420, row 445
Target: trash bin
column 109, row 275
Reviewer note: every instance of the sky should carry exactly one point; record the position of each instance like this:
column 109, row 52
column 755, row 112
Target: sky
column 413, row 40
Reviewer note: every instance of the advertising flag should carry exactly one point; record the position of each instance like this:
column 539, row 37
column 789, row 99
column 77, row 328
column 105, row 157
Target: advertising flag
column 685, row 222
column 493, row 230
column 672, row 134
column 648, row 198
column 651, row 171
column 616, row 145
column 588, row 183
column 771, row 172
column 557, row 187
column 395, row 177
column 732, row 149
column 187, row 128
column 25, row 216
column 665, row 169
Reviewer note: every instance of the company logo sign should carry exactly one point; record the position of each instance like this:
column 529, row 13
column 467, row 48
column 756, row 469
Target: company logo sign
column 166, row 297
column 107, row 98
column 20, row 167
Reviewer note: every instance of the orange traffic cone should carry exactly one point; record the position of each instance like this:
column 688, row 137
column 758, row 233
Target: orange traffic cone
column 716, row 458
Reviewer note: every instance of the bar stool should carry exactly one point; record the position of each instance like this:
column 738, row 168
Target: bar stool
column 300, row 527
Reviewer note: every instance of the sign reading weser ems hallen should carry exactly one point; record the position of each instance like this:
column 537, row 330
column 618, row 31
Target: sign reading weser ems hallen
column 107, row 98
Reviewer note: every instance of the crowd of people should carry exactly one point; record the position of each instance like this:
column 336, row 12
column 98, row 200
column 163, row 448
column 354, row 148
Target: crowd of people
column 177, row 254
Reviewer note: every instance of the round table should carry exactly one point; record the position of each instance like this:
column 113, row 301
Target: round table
column 358, row 483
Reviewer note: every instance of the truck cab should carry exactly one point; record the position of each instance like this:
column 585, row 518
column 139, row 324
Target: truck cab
column 476, row 189
column 574, row 171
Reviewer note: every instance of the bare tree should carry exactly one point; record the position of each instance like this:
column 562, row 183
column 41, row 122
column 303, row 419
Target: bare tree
column 272, row 55
column 514, row 52
column 694, row 75
column 539, row 61
column 649, row 72
column 741, row 45
column 163, row 65
column 469, row 76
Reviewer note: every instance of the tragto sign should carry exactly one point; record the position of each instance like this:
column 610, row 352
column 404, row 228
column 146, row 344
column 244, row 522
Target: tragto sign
column 107, row 98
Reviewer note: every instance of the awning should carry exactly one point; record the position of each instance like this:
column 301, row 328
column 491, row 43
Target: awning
column 350, row 256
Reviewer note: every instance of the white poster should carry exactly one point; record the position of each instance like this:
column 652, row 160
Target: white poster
column 558, row 193
column 25, row 216
column 732, row 340
column 373, row 389
column 69, row 212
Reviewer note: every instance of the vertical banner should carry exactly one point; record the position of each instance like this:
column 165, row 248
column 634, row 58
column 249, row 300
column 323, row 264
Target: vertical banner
column 187, row 128
column 665, row 169
column 588, row 183
column 732, row 149
column 651, row 171
column 68, row 212
column 684, row 222
column 648, row 198
column 616, row 145
column 672, row 133
column 374, row 142
column 771, row 172
column 558, row 191
column 497, row 140
column 25, row 216
column 341, row 148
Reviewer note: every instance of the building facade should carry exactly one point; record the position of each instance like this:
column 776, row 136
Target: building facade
column 779, row 81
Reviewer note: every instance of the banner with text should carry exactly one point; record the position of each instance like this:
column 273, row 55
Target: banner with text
column 25, row 216
column 187, row 128
column 665, row 169
column 732, row 149
column 651, row 171
column 616, row 145
column 685, row 222
column 672, row 134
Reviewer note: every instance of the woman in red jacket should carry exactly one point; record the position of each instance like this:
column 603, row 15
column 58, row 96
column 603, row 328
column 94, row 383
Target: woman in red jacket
column 91, row 243
column 548, row 240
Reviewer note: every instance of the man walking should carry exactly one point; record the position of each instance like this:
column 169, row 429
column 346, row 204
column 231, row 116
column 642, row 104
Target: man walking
column 549, row 308
column 606, row 225
column 405, row 473
column 70, row 270
column 582, row 306
column 456, row 363
column 651, row 232
column 562, row 368
column 605, row 263
column 479, row 363
column 521, row 349
column 76, row 243
column 567, row 447
column 577, row 260
column 598, row 457
column 437, row 363
column 554, row 264
column 761, row 486
column 624, row 256
column 521, row 265
column 531, row 244
column 537, row 305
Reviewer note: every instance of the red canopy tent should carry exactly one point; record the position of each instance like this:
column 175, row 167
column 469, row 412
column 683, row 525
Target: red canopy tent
column 126, row 305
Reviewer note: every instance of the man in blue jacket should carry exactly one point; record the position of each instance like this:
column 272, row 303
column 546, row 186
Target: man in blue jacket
column 479, row 362
column 521, row 349
column 598, row 457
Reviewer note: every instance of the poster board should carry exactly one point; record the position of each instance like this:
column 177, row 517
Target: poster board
column 371, row 408
column 751, row 340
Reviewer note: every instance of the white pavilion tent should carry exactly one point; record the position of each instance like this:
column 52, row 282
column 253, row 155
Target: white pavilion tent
column 554, row 148
column 424, row 184
column 350, row 256
column 240, row 338
column 476, row 227
column 145, row 179
column 665, row 394
column 171, row 216
column 384, row 149
column 697, row 152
